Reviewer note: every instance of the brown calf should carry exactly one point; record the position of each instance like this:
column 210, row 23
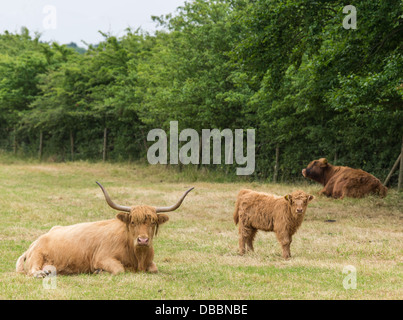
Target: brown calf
column 340, row 182
column 261, row 211
column 115, row 245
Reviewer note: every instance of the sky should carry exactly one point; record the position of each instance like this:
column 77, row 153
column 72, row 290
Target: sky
column 68, row 21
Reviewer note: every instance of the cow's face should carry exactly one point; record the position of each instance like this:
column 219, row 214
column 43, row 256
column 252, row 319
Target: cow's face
column 315, row 170
column 142, row 223
column 298, row 201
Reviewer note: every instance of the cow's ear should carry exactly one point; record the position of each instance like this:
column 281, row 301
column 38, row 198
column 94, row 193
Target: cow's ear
column 162, row 218
column 324, row 162
column 123, row 216
column 310, row 198
column 288, row 197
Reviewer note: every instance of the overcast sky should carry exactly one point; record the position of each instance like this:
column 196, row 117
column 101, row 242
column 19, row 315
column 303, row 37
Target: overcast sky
column 68, row 21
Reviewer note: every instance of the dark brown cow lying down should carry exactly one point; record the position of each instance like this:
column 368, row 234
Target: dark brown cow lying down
column 340, row 182
column 115, row 245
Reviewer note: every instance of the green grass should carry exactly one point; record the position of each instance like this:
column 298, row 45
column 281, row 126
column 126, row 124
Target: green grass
column 196, row 251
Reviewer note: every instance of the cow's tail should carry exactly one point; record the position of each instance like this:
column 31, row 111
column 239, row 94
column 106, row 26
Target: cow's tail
column 236, row 212
column 20, row 263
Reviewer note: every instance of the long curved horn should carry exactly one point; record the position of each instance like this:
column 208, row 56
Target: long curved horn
column 111, row 203
column 175, row 206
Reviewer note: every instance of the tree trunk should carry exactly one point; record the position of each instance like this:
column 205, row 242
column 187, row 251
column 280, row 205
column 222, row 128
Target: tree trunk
column 105, row 144
column 396, row 164
column 72, row 145
column 15, row 142
column 400, row 181
column 144, row 138
column 40, row 152
column 63, row 159
column 275, row 174
column 200, row 153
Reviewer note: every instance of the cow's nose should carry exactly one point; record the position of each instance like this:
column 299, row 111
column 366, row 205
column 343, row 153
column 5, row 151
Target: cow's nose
column 141, row 240
column 304, row 172
column 300, row 210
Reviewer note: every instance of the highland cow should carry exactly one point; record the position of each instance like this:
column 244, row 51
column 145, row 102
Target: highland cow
column 114, row 246
column 340, row 182
column 261, row 211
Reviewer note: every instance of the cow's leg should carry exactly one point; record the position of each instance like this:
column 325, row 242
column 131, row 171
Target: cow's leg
column 241, row 245
column 246, row 235
column 249, row 240
column 326, row 191
column 243, row 238
column 339, row 193
column 285, row 241
column 323, row 192
column 98, row 271
column 152, row 268
column 110, row 265
column 36, row 263
column 346, row 191
column 144, row 257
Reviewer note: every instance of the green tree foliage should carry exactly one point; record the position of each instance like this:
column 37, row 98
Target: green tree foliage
column 321, row 90
column 286, row 68
column 186, row 74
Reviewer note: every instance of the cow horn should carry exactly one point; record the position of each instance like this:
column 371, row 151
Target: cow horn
column 175, row 206
column 111, row 203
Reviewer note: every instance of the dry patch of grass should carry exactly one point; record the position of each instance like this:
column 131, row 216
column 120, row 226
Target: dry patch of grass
column 196, row 251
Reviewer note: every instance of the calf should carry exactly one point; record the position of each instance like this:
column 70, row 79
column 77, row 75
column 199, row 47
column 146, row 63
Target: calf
column 261, row 211
column 114, row 246
column 340, row 182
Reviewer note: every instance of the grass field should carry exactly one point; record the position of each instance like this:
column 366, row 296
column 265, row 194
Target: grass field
column 196, row 251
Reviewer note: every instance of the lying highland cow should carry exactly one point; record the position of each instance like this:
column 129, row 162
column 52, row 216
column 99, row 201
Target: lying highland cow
column 261, row 211
column 116, row 245
column 340, row 182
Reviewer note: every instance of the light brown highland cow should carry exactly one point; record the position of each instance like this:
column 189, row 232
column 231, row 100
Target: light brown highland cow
column 115, row 245
column 261, row 211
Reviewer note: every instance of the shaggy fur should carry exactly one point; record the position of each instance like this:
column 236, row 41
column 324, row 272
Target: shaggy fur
column 340, row 182
column 261, row 211
column 116, row 245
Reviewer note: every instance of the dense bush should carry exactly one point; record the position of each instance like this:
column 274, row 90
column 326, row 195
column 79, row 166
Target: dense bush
column 286, row 68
